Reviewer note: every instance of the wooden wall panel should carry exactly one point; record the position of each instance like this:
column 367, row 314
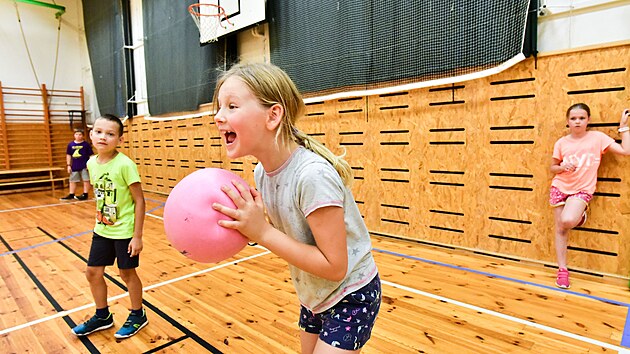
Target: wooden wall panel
column 466, row 165
column 393, row 165
column 448, row 127
column 167, row 151
column 513, row 156
column 349, row 136
column 28, row 144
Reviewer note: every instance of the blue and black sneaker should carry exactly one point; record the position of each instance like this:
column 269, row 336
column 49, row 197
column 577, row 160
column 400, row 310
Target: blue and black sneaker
column 93, row 324
column 133, row 324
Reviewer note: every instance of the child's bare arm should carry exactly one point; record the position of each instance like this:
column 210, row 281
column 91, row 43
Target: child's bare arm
column 558, row 166
column 135, row 246
column 327, row 259
column 624, row 147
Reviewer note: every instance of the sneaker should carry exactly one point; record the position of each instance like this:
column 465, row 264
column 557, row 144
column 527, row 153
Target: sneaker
column 83, row 196
column 93, row 324
column 582, row 220
column 132, row 325
column 68, row 197
column 562, row 279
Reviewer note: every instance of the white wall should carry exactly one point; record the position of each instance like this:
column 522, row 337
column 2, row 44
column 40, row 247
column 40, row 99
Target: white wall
column 570, row 24
column 40, row 30
column 253, row 44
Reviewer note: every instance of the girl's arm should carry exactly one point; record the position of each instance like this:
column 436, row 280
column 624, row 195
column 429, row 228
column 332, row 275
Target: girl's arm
column 558, row 166
column 624, row 148
column 327, row 259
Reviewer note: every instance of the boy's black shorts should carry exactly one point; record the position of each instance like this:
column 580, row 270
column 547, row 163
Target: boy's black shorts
column 104, row 250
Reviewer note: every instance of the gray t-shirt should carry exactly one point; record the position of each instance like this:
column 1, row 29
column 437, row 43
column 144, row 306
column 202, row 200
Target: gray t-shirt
column 304, row 183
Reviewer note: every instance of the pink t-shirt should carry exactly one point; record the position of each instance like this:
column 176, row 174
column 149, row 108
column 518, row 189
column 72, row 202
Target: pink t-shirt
column 585, row 153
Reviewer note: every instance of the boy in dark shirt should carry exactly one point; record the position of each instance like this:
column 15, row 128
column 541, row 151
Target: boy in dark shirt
column 77, row 155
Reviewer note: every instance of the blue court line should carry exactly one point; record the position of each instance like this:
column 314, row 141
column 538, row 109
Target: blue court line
column 613, row 302
column 625, row 338
column 44, row 243
column 157, row 207
column 155, row 201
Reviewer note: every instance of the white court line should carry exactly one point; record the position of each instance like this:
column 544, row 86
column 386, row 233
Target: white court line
column 113, row 298
column 154, row 216
column 50, row 205
column 509, row 318
column 44, row 206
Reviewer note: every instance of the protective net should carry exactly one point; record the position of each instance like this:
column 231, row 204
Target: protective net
column 332, row 47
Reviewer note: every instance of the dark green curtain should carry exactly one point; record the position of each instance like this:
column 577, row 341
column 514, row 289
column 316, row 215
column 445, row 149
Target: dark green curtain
column 104, row 33
column 181, row 73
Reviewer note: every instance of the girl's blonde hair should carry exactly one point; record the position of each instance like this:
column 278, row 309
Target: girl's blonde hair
column 271, row 85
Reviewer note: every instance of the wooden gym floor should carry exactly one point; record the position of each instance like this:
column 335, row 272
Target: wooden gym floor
column 435, row 300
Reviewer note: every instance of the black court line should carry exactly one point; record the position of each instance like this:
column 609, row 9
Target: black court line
column 187, row 333
column 88, row 344
column 166, row 345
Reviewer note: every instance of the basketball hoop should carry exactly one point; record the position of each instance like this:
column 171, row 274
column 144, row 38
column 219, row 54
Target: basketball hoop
column 208, row 18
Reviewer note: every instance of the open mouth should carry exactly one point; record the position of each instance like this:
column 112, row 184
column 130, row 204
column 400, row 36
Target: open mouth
column 230, row 137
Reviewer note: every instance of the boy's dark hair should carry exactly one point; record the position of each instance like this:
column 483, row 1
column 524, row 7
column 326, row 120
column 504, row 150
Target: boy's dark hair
column 113, row 118
column 78, row 130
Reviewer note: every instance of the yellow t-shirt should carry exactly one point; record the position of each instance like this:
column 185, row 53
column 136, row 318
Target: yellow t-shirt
column 114, row 203
column 585, row 153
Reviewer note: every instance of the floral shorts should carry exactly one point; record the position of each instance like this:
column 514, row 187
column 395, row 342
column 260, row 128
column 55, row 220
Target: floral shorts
column 557, row 198
column 348, row 324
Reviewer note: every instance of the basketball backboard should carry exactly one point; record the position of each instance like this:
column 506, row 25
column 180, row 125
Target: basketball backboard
column 239, row 14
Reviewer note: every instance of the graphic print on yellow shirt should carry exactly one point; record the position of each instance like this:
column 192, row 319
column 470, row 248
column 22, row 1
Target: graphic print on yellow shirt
column 106, row 203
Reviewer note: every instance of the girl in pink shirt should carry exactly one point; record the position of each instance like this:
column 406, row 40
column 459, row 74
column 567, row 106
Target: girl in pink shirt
column 575, row 161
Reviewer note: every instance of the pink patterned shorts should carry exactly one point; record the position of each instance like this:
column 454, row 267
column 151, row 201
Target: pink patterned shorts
column 557, row 198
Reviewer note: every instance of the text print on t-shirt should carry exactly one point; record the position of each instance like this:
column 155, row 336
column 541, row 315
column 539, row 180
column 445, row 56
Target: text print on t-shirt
column 585, row 160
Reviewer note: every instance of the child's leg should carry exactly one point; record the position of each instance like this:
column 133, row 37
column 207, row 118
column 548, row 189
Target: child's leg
column 95, row 276
column 572, row 212
column 562, row 236
column 566, row 217
column 103, row 319
column 308, row 341
column 73, row 187
column 137, row 319
column 86, row 186
column 134, row 286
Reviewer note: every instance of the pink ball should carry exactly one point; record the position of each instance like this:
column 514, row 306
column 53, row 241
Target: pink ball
column 191, row 223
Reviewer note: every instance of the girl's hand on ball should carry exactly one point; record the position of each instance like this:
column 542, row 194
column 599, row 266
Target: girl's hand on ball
column 249, row 215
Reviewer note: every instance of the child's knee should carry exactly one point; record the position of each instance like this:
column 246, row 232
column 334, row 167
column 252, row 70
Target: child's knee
column 93, row 274
column 128, row 275
column 568, row 222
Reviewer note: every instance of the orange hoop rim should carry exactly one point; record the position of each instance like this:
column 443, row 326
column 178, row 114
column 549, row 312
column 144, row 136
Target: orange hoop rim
column 193, row 9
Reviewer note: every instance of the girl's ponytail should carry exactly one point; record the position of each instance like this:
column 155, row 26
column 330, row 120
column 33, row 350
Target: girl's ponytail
column 341, row 165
